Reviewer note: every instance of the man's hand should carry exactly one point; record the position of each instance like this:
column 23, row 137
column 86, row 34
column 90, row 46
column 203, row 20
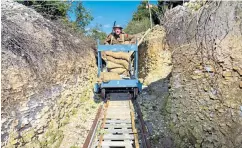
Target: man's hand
column 108, row 40
column 131, row 38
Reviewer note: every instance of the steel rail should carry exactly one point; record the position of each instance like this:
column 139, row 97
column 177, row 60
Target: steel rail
column 91, row 133
column 133, row 125
column 102, row 111
column 103, row 124
column 144, row 133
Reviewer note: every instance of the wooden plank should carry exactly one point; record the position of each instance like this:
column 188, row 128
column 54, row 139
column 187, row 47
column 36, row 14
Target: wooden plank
column 127, row 114
column 91, row 134
column 117, row 144
column 102, row 126
column 133, row 126
column 118, row 126
column 112, row 131
column 118, row 121
column 127, row 146
column 112, row 101
column 142, row 38
column 123, row 116
column 118, row 111
column 118, row 137
column 119, row 106
column 124, row 107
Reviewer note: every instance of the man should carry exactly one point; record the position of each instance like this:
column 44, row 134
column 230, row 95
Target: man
column 119, row 37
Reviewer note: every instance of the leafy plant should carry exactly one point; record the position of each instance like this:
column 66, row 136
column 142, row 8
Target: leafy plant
column 49, row 9
column 58, row 10
column 141, row 18
column 83, row 17
column 142, row 12
column 97, row 33
column 137, row 26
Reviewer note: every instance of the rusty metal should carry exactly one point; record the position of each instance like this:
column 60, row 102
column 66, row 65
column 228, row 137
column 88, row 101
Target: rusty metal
column 144, row 134
column 92, row 132
column 103, row 124
column 136, row 140
column 104, row 114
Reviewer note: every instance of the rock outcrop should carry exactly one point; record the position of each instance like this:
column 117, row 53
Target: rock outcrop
column 154, row 56
column 47, row 75
column 154, row 69
column 205, row 105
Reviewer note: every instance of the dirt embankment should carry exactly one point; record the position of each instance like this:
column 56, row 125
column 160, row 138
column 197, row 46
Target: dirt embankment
column 205, row 105
column 47, row 75
column 154, row 69
column 154, row 56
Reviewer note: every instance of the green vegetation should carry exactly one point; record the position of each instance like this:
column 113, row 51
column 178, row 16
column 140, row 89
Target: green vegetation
column 49, row 9
column 12, row 139
column 162, row 7
column 142, row 12
column 74, row 111
column 27, row 136
column 57, row 10
column 141, row 18
column 96, row 33
column 53, row 138
column 102, row 132
column 196, row 5
column 83, row 17
column 137, row 26
column 65, row 121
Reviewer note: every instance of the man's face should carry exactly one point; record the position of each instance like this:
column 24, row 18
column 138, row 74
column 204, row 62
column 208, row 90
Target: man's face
column 117, row 31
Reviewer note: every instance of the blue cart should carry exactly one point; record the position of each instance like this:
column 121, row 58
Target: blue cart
column 130, row 84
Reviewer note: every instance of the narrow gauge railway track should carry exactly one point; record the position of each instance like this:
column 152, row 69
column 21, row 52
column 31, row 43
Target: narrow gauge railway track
column 117, row 126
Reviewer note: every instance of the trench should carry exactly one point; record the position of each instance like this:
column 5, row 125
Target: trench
column 191, row 70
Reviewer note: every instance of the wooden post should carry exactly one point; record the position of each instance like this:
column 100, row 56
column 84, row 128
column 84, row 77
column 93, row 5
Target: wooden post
column 142, row 38
column 150, row 15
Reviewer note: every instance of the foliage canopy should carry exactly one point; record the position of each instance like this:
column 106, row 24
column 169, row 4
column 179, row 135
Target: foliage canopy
column 83, row 17
column 96, row 33
column 49, row 9
column 142, row 12
column 57, row 10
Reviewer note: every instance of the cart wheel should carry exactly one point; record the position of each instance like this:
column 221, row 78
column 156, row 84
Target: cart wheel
column 135, row 93
column 103, row 93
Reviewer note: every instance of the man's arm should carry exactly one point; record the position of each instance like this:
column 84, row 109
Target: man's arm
column 108, row 40
column 130, row 38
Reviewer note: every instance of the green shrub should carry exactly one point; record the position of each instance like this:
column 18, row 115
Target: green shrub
column 137, row 26
column 49, row 9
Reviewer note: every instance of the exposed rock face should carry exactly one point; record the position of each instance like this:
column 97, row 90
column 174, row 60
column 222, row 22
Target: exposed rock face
column 204, row 109
column 47, row 75
column 153, row 101
column 154, row 56
column 154, row 68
